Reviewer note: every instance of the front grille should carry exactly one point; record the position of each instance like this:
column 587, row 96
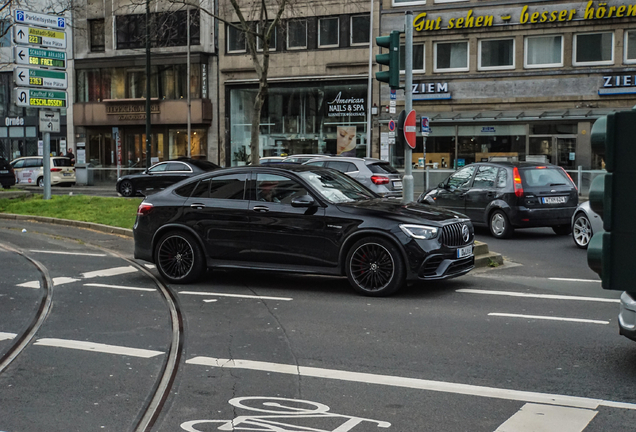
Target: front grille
column 461, row 265
column 452, row 235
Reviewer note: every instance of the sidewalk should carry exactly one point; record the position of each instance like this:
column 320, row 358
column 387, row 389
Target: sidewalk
column 103, row 190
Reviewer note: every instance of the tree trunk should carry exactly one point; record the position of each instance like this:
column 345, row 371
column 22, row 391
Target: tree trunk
column 263, row 90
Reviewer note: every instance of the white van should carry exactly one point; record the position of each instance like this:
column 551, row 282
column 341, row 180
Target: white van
column 29, row 169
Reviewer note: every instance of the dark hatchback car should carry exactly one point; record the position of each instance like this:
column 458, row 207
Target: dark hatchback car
column 507, row 195
column 162, row 175
column 299, row 219
column 7, row 175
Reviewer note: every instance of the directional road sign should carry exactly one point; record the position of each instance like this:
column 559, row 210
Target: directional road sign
column 49, row 121
column 42, row 20
column 38, row 36
column 40, row 57
column 27, row 97
column 40, row 78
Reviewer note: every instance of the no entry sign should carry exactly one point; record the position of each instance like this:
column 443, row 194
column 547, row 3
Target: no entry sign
column 410, row 129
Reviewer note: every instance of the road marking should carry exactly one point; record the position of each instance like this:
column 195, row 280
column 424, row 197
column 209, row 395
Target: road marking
column 118, row 287
column 97, row 347
column 68, row 253
column 546, row 418
column 115, row 271
column 150, row 266
column 539, row 296
column 7, row 336
column 575, row 280
column 210, row 301
column 56, row 282
column 235, row 295
column 539, row 317
column 413, row 383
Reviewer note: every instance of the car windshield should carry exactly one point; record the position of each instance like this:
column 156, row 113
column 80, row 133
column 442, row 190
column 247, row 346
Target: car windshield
column 335, row 187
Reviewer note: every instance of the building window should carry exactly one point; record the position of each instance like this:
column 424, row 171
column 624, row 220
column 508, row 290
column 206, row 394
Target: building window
column 593, row 49
column 97, row 35
column 235, row 39
column 630, row 47
column 497, row 54
column 297, row 34
column 544, row 51
column 451, row 56
column 409, row 2
column 418, row 58
column 328, row 32
column 272, row 40
column 360, row 30
column 166, row 29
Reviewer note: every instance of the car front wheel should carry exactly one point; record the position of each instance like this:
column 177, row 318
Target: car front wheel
column 179, row 258
column 582, row 230
column 375, row 267
column 126, row 188
column 40, row 182
column 500, row 225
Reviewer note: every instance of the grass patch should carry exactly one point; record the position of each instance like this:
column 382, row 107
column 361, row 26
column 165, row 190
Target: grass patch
column 118, row 212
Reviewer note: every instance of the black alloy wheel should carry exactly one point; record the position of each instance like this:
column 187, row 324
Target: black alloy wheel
column 179, row 257
column 375, row 267
column 126, row 188
column 562, row 230
column 499, row 225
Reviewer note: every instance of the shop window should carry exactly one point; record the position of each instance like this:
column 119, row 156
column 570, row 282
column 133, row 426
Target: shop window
column 418, row 58
column 5, row 33
column 328, row 32
column 451, row 56
column 593, row 49
column 272, row 40
column 178, row 143
column 235, row 39
column 630, row 47
column 360, row 29
column 497, row 54
column 543, row 51
column 297, row 34
column 97, row 37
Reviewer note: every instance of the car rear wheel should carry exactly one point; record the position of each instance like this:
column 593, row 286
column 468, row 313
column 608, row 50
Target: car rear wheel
column 375, row 267
column 126, row 188
column 562, row 229
column 179, row 258
column 500, row 225
column 40, row 181
column 582, row 230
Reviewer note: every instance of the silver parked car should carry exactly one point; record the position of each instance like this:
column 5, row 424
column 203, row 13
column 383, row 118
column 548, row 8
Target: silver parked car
column 584, row 224
column 375, row 174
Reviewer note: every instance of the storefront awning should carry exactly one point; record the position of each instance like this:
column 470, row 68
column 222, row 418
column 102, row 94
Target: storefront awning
column 519, row 116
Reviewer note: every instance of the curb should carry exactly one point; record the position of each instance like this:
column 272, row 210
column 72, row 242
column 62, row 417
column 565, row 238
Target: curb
column 15, row 194
column 66, row 222
column 485, row 258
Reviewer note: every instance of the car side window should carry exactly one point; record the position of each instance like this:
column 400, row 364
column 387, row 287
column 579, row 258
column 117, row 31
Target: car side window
column 158, row 168
column 461, row 178
column 30, row 163
column 485, row 177
column 202, row 190
column 278, row 189
column 177, row 166
column 19, row 164
column 229, row 186
column 502, row 178
column 187, row 189
column 343, row 167
column 316, row 163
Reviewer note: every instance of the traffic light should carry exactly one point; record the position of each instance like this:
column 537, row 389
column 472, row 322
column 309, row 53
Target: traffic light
column 610, row 252
column 391, row 59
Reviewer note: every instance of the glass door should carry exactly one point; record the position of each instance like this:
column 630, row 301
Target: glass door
column 566, row 152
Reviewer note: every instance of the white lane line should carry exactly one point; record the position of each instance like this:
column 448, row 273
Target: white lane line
column 56, row 282
column 150, row 266
column 547, row 418
column 209, row 294
column 539, row 296
column 97, row 347
column 549, row 318
column 115, row 271
column 575, row 280
column 7, row 336
column 210, row 301
column 118, row 287
column 68, row 253
column 413, row 383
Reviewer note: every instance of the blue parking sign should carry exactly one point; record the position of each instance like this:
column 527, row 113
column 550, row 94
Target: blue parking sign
column 426, row 128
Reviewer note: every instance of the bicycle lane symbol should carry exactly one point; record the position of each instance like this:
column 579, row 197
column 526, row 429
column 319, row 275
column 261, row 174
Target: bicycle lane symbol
column 278, row 411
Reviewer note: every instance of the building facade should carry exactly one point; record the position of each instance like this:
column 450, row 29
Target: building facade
column 515, row 79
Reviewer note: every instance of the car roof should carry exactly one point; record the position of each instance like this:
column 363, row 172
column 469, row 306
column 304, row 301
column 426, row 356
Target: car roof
column 350, row 159
column 520, row 164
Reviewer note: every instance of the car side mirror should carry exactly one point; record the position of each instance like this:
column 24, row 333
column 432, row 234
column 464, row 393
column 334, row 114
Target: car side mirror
column 304, row 201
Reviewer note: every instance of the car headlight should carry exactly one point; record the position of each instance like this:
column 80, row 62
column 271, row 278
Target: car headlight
column 422, row 232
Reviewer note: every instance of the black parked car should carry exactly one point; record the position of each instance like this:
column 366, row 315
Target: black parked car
column 508, row 195
column 162, row 175
column 7, row 176
column 299, row 219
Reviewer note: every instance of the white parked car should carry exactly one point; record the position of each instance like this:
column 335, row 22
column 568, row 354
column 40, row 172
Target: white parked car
column 30, row 169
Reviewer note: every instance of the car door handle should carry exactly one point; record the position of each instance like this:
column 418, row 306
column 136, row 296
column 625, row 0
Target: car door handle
column 261, row 208
column 197, row 206
column 491, row 194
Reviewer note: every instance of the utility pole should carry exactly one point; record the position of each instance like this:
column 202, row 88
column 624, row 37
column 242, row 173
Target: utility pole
column 148, row 125
column 189, row 152
column 370, row 83
column 407, row 195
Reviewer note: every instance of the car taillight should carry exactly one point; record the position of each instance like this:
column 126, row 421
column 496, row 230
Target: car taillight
column 56, row 169
column 517, row 182
column 567, row 174
column 144, row 209
column 379, row 180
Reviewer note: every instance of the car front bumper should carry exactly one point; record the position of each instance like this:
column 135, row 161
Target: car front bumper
column 627, row 316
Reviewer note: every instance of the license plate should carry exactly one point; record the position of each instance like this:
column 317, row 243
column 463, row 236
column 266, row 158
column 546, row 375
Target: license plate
column 4, row 171
column 554, row 200
column 66, row 174
column 464, row 252
column 397, row 185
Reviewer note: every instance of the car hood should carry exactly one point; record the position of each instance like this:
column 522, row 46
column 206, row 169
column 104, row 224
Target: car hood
column 398, row 210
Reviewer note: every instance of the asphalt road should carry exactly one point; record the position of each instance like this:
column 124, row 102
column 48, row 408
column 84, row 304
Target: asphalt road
column 529, row 343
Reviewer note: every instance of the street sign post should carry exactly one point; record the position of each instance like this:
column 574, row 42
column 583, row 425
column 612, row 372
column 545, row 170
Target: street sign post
column 26, row 97
column 391, row 125
column 410, row 130
column 39, row 57
column 25, row 35
column 49, row 121
column 40, row 78
column 426, row 128
column 42, row 20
